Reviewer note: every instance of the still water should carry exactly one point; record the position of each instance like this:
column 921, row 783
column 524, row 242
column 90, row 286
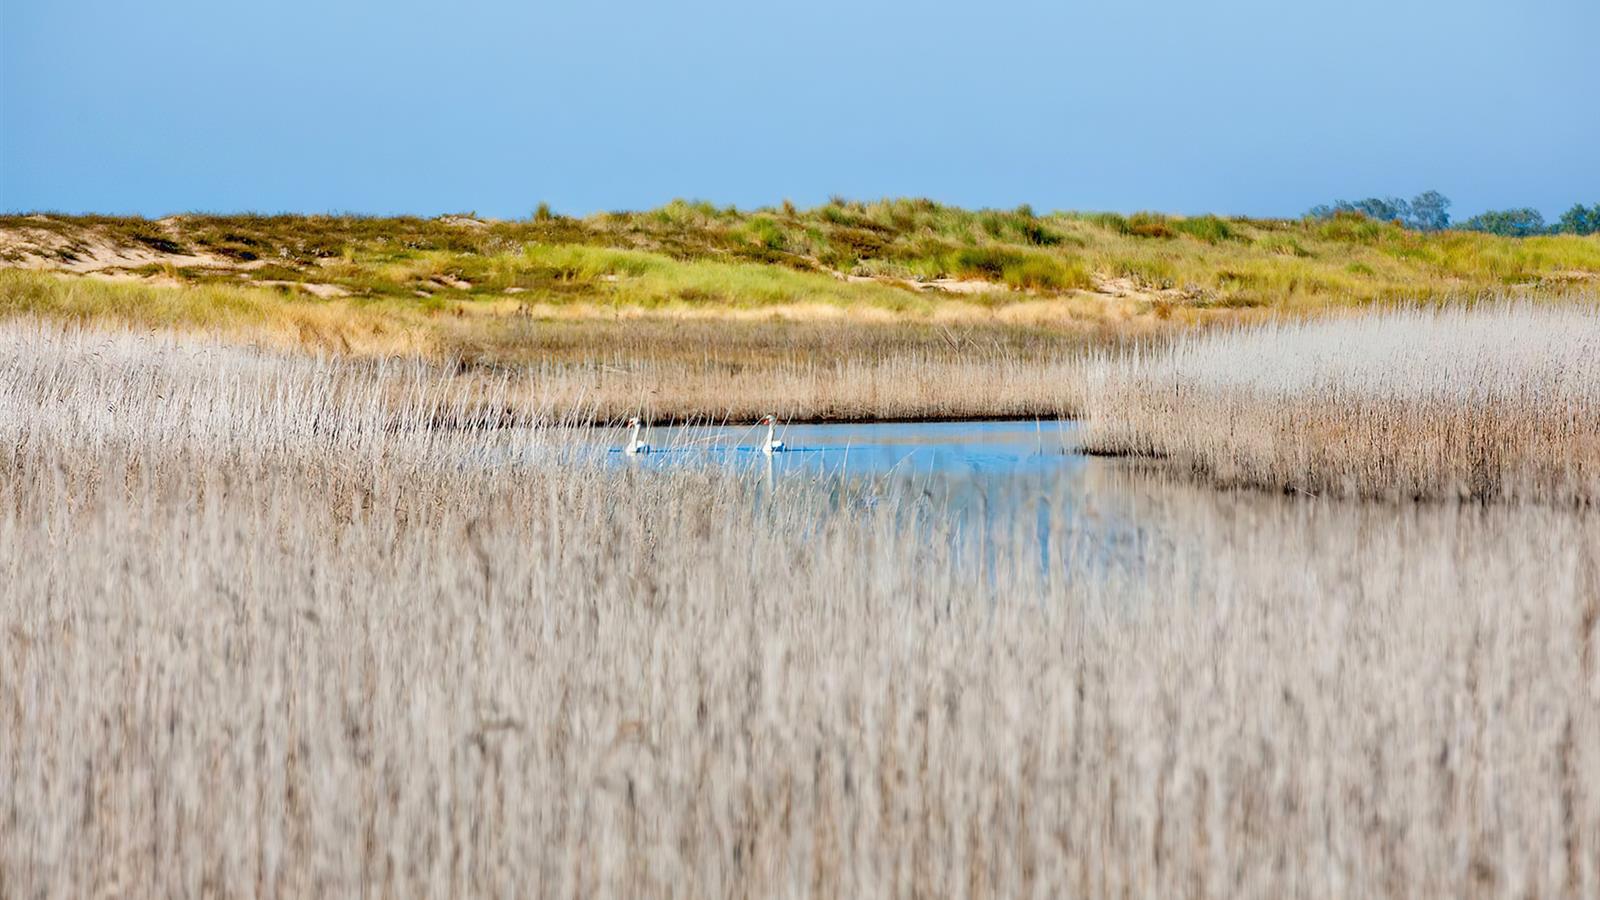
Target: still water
column 1028, row 479
column 1027, row 486
column 984, row 452
column 1021, row 509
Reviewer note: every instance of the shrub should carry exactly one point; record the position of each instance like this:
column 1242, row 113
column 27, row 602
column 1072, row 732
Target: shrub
column 767, row 233
column 1031, row 231
column 982, row 262
column 1147, row 271
column 1282, row 245
column 1029, row 271
column 992, row 223
column 1046, row 273
column 1210, row 229
column 687, row 213
column 1110, row 221
column 1149, row 225
column 1349, row 227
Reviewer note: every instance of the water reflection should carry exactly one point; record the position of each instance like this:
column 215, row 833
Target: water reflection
column 1022, row 494
column 989, row 483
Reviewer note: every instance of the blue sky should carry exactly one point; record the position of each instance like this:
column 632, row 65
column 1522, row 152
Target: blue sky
column 384, row 106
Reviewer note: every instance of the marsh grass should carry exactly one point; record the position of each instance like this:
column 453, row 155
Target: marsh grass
column 1493, row 402
column 264, row 630
column 905, row 386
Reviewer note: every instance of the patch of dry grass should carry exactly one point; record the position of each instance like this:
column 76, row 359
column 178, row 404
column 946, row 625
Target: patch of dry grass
column 1494, row 402
column 661, row 366
column 238, row 312
column 265, row 631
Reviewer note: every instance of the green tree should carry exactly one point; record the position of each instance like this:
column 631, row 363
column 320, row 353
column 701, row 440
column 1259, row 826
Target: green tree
column 1430, row 211
column 1580, row 219
column 1427, row 211
column 1507, row 222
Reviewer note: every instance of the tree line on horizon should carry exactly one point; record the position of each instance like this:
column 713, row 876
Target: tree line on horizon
column 1430, row 211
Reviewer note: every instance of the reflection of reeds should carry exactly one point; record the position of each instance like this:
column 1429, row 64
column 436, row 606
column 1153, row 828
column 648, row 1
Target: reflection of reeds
column 264, row 631
column 1493, row 402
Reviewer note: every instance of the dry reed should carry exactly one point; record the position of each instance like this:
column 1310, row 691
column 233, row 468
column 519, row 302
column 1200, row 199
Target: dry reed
column 1492, row 402
column 263, row 631
column 902, row 386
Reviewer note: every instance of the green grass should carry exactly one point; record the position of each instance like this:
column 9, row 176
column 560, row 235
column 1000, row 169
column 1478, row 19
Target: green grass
column 1210, row 229
column 25, row 293
column 1024, row 270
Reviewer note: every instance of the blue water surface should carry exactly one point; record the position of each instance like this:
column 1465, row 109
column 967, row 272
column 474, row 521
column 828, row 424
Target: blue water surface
column 1023, row 477
column 977, row 451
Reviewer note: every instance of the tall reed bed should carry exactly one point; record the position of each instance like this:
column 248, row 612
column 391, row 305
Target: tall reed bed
column 1491, row 402
column 900, row 386
column 263, row 630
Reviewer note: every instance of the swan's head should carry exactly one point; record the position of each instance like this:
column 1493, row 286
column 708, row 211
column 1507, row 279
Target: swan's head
column 633, row 421
column 767, row 420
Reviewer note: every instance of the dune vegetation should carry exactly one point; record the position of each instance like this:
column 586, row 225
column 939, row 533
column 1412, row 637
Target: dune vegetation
column 883, row 254
column 892, row 309
column 1501, row 401
column 266, row 628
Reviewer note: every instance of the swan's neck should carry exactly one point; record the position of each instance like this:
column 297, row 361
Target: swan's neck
column 634, row 439
column 770, row 426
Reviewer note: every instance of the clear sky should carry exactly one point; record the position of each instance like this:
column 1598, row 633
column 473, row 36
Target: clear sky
column 385, row 106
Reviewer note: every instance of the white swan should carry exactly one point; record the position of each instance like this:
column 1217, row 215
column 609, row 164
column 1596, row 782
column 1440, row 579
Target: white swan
column 770, row 446
column 635, row 446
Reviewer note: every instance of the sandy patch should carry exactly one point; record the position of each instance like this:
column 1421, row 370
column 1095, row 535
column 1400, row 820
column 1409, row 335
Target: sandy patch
column 1130, row 289
column 960, row 286
column 116, row 275
column 1570, row 276
column 936, row 285
column 450, row 281
column 317, row 289
column 90, row 251
column 788, row 312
